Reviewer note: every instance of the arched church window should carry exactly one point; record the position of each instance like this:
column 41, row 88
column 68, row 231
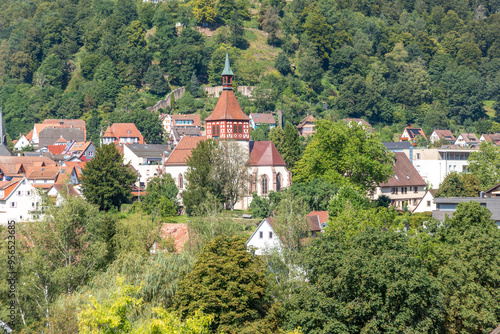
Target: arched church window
column 180, row 180
column 264, row 185
column 278, row 182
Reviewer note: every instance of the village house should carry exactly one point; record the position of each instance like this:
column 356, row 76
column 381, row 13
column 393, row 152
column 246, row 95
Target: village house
column 443, row 136
column 15, row 166
column 82, row 150
column 490, row 138
column 178, row 132
column 265, row 239
column 467, row 140
column 183, row 120
column 262, row 120
column 19, row 201
column 493, row 191
column 412, row 134
column 306, row 126
column 147, row 159
column 359, row 121
column 122, row 133
column 427, row 203
column 405, row 188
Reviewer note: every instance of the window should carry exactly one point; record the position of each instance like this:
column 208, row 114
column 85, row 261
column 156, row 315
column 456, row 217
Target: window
column 28, row 193
column 13, row 204
column 428, row 203
column 91, row 153
column 415, row 189
column 32, row 204
column 278, row 182
column 235, row 128
column 270, row 235
column 218, row 129
column 181, row 181
column 264, row 185
column 213, row 129
column 19, row 193
column 240, row 128
column 261, row 235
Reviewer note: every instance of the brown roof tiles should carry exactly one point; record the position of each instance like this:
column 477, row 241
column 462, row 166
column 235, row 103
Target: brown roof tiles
column 227, row 108
column 404, row 173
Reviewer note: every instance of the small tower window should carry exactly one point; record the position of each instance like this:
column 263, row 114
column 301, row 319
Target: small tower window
column 218, row 129
column 240, row 128
column 235, row 128
column 213, row 129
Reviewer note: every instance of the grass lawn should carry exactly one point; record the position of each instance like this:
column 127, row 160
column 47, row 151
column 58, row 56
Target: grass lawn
column 488, row 106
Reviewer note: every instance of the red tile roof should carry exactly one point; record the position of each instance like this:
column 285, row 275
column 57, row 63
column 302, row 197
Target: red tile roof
column 227, row 108
column 179, row 233
column 29, row 136
column 316, row 218
column 264, row 153
column 183, row 150
column 307, row 119
column 262, row 118
column 12, row 165
column 404, row 173
column 8, row 187
column 60, row 123
column 56, row 149
column 445, row 134
column 469, row 137
column 124, row 130
column 42, row 173
column 194, row 117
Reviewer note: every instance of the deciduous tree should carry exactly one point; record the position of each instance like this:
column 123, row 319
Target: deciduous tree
column 485, row 164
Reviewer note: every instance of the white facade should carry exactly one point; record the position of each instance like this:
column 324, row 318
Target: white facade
column 264, row 239
column 426, row 204
column 435, row 164
column 402, row 196
column 146, row 172
column 21, row 143
column 19, row 204
column 178, row 173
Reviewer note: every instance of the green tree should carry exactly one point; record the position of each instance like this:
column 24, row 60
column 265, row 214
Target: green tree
column 373, row 282
column 291, row 151
column 204, row 11
column 345, row 154
column 154, row 77
column 89, row 65
column 160, row 188
column 106, row 180
column 282, row 64
column 485, row 164
column 227, row 282
column 195, row 85
column 459, row 185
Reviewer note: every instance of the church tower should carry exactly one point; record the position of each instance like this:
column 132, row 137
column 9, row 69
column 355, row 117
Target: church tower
column 228, row 121
column 4, row 150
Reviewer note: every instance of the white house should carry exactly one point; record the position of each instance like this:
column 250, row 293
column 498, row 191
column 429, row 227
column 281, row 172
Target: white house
column 19, row 201
column 146, row 159
column 467, row 140
column 427, row 203
column 21, row 143
column 264, row 238
column 445, row 135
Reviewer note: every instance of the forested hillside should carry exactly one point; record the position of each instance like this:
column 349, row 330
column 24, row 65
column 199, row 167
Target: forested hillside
column 433, row 63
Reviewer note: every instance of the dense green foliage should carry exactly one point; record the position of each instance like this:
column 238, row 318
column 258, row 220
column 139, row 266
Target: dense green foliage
column 459, row 185
column 106, row 181
column 161, row 196
column 227, row 282
column 485, row 164
column 345, row 155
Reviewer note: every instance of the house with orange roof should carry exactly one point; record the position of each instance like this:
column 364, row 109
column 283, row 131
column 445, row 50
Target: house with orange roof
column 442, row 135
column 84, row 150
column 306, row 126
column 122, row 133
column 266, row 168
column 411, row 134
column 19, row 201
column 23, row 141
column 467, row 140
column 43, row 177
column 262, row 120
column 17, row 166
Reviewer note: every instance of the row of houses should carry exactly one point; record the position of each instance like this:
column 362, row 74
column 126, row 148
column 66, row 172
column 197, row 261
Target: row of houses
column 446, row 137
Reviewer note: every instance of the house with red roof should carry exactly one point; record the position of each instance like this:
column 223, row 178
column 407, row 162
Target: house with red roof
column 467, row 140
column 122, row 133
column 182, row 120
column 406, row 187
column 262, row 120
column 19, row 201
column 70, row 126
column 412, row 134
column 490, row 138
column 266, row 168
column 306, row 126
column 442, row 135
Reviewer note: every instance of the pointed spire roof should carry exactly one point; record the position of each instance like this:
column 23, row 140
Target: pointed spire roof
column 227, row 108
column 3, row 134
column 227, row 67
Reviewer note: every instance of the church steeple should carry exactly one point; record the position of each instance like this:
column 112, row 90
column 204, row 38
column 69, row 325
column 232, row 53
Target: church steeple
column 227, row 75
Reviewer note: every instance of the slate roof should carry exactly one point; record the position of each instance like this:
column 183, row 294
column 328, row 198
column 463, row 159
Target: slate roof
column 262, row 118
column 190, row 131
column 123, row 130
column 51, row 135
column 183, row 151
column 4, row 150
column 60, row 123
column 264, row 153
column 307, row 119
column 194, row 117
column 149, row 150
column 404, row 174
column 491, row 203
column 402, row 145
column 227, row 108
